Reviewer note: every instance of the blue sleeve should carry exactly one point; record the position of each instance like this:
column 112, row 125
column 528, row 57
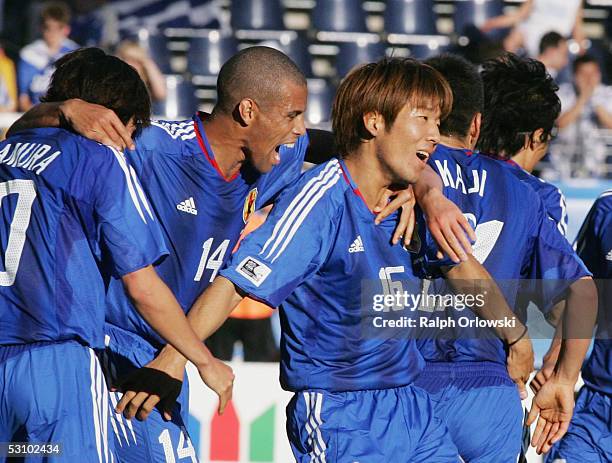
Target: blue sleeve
column 553, row 265
column 128, row 233
column 556, row 208
column 594, row 241
column 290, row 246
column 25, row 75
column 284, row 174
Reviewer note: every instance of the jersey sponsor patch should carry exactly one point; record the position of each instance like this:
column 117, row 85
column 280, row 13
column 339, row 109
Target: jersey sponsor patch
column 609, row 255
column 253, row 270
column 249, row 205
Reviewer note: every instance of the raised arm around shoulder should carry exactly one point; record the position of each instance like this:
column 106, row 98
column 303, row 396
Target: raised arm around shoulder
column 445, row 221
column 88, row 119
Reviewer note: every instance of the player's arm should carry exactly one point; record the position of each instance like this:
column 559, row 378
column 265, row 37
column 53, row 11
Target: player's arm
column 471, row 277
column 553, row 405
column 208, row 313
column 447, row 225
column 158, row 306
column 88, row 119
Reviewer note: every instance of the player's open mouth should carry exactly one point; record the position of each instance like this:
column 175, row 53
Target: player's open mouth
column 422, row 155
column 276, row 155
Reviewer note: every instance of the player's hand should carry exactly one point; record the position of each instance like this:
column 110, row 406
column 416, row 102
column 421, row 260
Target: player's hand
column 158, row 384
column 543, row 375
column 553, row 407
column 520, row 364
column 448, row 226
column 220, row 378
column 96, row 123
column 391, row 202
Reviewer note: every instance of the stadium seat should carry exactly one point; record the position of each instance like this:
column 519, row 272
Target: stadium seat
column 257, row 15
column 181, row 101
column 426, row 50
column 476, row 12
column 207, row 53
column 157, row 47
column 410, row 17
column 351, row 54
column 320, row 98
column 295, row 46
column 339, row 16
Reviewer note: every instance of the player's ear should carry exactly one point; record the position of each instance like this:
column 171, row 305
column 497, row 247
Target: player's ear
column 475, row 128
column 373, row 123
column 247, row 110
column 536, row 138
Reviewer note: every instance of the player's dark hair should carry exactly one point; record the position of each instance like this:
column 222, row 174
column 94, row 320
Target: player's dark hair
column 93, row 76
column 255, row 72
column 551, row 39
column 520, row 98
column 584, row 59
column 385, row 87
column 58, row 11
column 468, row 93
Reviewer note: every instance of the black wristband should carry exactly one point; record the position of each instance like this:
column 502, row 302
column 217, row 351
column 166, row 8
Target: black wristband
column 519, row 338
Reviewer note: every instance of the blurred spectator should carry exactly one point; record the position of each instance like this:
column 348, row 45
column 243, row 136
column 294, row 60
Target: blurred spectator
column 137, row 57
column 534, row 18
column 586, row 107
column 37, row 59
column 554, row 53
column 249, row 323
column 8, row 83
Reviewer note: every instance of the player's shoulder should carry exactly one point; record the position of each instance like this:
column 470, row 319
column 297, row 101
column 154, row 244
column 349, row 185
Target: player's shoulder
column 323, row 186
column 166, row 136
column 604, row 202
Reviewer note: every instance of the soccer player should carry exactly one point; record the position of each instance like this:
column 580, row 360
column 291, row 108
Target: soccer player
column 313, row 253
column 468, row 372
column 204, row 177
column 505, row 123
column 588, row 436
column 74, row 216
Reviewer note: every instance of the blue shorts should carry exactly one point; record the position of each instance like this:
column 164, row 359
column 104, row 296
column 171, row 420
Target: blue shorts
column 154, row 439
column 54, row 392
column 387, row 425
column 480, row 405
column 589, row 437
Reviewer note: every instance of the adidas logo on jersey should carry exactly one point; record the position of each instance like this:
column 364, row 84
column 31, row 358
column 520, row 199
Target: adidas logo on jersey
column 187, row 206
column 357, row 245
column 609, row 255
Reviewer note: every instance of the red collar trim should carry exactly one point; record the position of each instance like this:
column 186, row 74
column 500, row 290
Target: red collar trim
column 355, row 190
column 212, row 160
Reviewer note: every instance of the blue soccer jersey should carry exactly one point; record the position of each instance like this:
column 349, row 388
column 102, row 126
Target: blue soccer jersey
column 594, row 245
column 69, row 206
column 513, row 242
column 201, row 212
column 313, row 253
column 551, row 196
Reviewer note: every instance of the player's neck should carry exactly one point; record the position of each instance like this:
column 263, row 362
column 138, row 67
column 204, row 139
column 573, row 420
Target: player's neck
column 456, row 142
column 367, row 174
column 524, row 159
column 226, row 143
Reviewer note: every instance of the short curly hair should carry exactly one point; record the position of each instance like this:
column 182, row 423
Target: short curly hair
column 520, row 97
